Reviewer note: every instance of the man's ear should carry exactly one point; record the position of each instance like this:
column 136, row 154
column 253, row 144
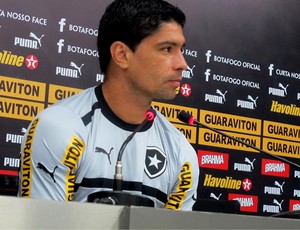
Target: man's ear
column 119, row 54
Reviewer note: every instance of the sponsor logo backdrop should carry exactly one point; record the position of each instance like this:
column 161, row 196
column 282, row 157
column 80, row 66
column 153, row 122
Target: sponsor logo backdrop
column 243, row 79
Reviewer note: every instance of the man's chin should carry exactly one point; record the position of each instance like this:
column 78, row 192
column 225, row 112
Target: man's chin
column 166, row 98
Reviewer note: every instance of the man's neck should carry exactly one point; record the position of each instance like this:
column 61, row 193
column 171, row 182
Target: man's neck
column 124, row 104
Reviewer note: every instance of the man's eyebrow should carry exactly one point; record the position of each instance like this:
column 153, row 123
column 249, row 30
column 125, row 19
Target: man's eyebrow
column 170, row 43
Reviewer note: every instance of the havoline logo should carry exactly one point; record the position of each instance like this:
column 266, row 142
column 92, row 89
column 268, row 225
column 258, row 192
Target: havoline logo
column 8, row 58
column 227, row 182
column 186, row 90
column 31, row 62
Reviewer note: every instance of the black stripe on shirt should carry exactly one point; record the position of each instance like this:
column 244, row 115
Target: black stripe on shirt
column 126, row 185
column 87, row 118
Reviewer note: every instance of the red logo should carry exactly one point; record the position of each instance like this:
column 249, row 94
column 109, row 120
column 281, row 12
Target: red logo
column 247, row 203
column 186, row 90
column 275, row 168
column 247, row 184
column 294, row 205
column 213, row 160
column 31, row 62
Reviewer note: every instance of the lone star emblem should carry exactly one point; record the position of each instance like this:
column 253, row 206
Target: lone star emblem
column 155, row 162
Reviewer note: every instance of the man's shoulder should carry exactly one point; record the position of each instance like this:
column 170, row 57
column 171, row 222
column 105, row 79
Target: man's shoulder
column 82, row 96
column 69, row 108
column 167, row 125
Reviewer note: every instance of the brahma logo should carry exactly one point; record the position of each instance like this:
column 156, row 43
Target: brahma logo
column 248, row 203
column 213, row 160
column 294, row 205
column 275, row 168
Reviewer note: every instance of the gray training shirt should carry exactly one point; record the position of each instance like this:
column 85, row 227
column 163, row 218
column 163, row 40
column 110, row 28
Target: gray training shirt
column 71, row 148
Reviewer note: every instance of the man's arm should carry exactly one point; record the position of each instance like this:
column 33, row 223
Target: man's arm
column 184, row 191
column 51, row 151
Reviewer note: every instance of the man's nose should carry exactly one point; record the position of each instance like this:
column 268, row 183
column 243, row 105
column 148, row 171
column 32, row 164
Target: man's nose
column 181, row 62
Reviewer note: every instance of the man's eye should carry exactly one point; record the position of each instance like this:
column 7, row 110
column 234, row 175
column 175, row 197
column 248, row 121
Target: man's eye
column 167, row 49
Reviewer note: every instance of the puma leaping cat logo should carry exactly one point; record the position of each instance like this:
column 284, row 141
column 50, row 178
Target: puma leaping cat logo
column 41, row 166
column 101, row 150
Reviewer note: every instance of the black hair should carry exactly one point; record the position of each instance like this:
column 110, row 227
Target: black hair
column 130, row 21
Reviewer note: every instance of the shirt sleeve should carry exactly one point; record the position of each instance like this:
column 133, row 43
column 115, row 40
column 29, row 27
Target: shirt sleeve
column 51, row 152
column 184, row 192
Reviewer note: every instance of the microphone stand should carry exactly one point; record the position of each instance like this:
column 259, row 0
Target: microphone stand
column 117, row 196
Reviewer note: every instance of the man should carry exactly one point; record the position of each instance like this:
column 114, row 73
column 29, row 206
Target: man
column 71, row 148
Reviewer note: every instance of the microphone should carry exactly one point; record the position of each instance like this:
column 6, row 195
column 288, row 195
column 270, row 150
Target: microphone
column 149, row 116
column 117, row 197
column 189, row 119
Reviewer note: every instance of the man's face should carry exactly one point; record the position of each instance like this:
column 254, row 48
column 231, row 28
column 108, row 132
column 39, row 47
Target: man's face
column 155, row 68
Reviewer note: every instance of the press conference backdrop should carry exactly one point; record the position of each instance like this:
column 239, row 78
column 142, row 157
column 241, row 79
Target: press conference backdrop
column 243, row 78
